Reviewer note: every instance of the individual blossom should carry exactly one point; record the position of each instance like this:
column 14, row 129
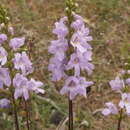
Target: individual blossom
column 57, row 68
column 70, row 88
column 110, row 109
column 58, row 48
column 117, row 84
column 3, row 38
column 79, row 62
column 75, row 86
column 21, row 86
column 3, row 56
column 77, row 24
column 81, row 36
column 16, row 43
column 36, row 86
column 61, row 29
column 80, row 42
column 4, row 77
column 125, row 102
column 4, row 103
column 21, row 62
column 83, row 84
column 77, row 19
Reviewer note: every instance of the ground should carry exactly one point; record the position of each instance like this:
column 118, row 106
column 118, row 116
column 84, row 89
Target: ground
column 109, row 24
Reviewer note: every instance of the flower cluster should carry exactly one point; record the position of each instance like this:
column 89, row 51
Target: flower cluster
column 15, row 66
column 58, row 48
column 77, row 61
column 119, row 86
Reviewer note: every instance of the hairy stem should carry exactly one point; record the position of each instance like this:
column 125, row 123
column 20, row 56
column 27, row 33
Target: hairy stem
column 70, row 115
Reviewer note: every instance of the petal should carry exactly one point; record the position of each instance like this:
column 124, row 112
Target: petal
column 39, row 90
column 17, row 93
column 72, row 95
column 1, row 84
column 77, row 70
column 25, row 94
column 121, row 104
column 4, row 60
column 106, row 112
column 127, row 108
column 64, row 90
column 80, row 48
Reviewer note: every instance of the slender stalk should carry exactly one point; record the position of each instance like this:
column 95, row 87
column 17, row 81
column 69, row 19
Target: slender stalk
column 70, row 4
column 27, row 115
column 119, row 120
column 15, row 113
column 70, row 115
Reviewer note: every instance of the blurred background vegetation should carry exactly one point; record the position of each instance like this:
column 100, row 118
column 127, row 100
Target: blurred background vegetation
column 109, row 23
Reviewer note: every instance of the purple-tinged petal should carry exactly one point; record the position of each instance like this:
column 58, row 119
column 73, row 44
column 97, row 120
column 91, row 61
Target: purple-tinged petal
column 22, row 62
column 16, row 43
column 128, row 81
column 112, row 107
column 1, row 84
column 117, row 84
column 106, row 112
column 5, row 76
column 25, row 93
column 17, row 93
column 4, row 103
column 3, row 38
column 61, row 29
column 3, row 56
column 36, row 86
column 21, row 86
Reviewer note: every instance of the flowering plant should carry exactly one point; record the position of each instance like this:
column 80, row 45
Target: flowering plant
column 15, row 70
column 72, row 55
column 122, row 88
